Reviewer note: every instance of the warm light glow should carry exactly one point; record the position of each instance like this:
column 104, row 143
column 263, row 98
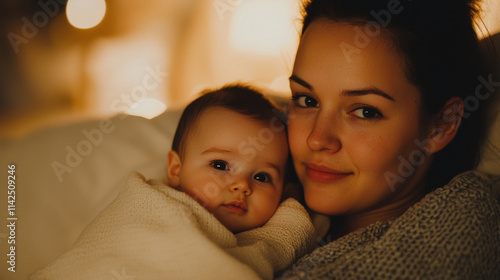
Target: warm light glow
column 122, row 71
column 85, row 14
column 281, row 85
column 147, row 107
column 264, row 27
column 489, row 22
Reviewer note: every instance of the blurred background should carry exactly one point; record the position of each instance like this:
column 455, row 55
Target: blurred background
column 63, row 61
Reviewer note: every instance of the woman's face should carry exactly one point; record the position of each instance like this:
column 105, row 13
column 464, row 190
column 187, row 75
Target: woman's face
column 354, row 130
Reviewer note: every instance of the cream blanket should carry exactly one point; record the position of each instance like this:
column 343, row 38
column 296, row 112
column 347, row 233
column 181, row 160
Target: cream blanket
column 152, row 231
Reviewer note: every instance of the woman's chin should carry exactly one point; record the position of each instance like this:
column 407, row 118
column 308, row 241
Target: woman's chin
column 323, row 203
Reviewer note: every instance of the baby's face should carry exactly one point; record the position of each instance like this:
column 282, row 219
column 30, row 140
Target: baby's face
column 234, row 166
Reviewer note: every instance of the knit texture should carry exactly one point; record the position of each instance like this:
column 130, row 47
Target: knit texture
column 452, row 233
column 152, row 231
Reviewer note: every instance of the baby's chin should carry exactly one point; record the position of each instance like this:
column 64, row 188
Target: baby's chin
column 236, row 227
column 237, row 222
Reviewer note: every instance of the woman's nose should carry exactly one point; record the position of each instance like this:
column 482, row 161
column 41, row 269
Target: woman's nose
column 323, row 135
column 240, row 185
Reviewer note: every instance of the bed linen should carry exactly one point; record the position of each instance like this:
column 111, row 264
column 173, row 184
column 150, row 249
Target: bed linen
column 52, row 213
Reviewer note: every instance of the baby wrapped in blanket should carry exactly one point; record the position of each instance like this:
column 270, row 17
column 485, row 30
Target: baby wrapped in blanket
column 220, row 215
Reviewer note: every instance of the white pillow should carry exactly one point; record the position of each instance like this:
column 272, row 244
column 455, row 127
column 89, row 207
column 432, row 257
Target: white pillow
column 65, row 175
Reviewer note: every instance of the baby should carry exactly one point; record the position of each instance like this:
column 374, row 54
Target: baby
column 219, row 217
column 230, row 154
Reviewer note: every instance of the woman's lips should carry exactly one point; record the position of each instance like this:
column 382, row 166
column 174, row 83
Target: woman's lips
column 323, row 174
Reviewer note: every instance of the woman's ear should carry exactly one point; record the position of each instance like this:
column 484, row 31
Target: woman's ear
column 174, row 169
column 445, row 125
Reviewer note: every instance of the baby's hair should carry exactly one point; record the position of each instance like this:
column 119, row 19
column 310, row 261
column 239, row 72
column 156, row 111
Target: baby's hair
column 237, row 97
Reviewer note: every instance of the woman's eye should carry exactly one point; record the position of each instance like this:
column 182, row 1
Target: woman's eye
column 305, row 101
column 220, row 165
column 367, row 113
column 263, row 177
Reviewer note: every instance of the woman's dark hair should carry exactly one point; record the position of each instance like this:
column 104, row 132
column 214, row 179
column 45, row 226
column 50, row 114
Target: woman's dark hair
column 442, row 58
column 237, row 97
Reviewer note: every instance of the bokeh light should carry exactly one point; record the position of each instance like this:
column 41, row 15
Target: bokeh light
column 85, row 14
column 147, row 108
column 263, row 27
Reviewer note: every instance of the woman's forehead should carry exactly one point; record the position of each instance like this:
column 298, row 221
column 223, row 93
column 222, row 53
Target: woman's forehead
column 343, row 55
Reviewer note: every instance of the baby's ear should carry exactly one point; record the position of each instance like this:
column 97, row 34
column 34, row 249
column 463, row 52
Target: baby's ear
column 445, row 126
column 174, row 169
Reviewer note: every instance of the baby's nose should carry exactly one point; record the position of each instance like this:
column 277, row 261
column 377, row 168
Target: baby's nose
column 240, row 185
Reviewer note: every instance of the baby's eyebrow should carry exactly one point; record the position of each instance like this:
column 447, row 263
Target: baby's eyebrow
column 216, row 150
column 274, row 166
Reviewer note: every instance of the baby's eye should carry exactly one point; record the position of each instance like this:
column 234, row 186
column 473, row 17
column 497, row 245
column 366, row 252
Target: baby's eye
column 367, row 112
column 263, row 177
column 305, row 101
column 220, row 165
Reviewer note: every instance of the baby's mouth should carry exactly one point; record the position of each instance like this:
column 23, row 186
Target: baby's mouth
column 237, row 207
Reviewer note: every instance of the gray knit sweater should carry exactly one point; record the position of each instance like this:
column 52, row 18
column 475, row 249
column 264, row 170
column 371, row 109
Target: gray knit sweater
column 452, row 233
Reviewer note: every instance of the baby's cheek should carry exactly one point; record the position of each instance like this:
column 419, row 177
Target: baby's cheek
column 205, row 193
column 267, row 207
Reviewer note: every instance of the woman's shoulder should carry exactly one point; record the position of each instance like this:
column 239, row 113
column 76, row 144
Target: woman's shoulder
column 465, row 208
column 473, row 181
column 470, row 191
column 455, row 230
column 452, row 232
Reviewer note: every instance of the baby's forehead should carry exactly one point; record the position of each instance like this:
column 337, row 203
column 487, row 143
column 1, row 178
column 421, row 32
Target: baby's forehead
column 262, row 118
column 219, row 121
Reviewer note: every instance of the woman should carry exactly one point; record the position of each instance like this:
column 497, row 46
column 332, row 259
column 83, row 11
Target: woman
column 378, row 126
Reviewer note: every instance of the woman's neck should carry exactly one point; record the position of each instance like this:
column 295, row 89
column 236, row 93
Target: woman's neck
column 343, row 225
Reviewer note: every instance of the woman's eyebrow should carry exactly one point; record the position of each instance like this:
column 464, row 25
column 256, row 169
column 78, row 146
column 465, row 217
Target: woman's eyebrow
column 366, row 91
column 300, row 82
column 371, row 90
